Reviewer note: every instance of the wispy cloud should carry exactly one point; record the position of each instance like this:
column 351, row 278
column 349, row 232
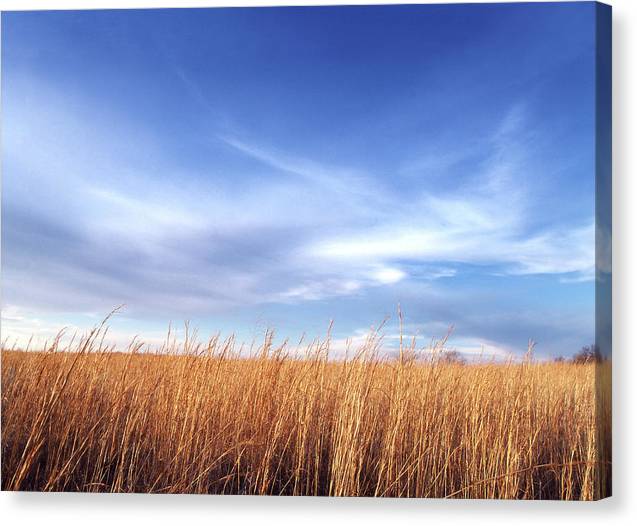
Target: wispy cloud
column 388, row 345
column 223, row 177
column 143, row 238
column 549, row 252
column 487, row 221
column 127, row 230
column 360, row 192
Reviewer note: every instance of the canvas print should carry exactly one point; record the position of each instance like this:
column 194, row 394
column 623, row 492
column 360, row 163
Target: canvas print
column 352, row 251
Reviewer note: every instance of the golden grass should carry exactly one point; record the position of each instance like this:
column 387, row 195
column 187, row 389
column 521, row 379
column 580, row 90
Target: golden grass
column 202, row 419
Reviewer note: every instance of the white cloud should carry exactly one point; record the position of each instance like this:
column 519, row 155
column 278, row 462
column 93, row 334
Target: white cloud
column 22, row 327
column 330, row 286
column 358, row 340
column 549, row 252
column 387, row 343
column 488, row 220
column 145, row 215
column 387, row 275
column 115, row 220
column 316, row 290
column 11, row 313
column 483, row 349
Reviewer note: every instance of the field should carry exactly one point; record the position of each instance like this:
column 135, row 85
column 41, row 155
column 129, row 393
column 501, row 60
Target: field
column 204, row 418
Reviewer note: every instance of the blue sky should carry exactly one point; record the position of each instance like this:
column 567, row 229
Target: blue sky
column 282, row 167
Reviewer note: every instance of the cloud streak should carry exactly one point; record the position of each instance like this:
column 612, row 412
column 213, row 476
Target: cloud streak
column 151, row 243
column 97, row 212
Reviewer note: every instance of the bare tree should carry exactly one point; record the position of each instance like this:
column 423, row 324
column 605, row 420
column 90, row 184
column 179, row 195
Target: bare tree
column 588, row 354
column 452, row 357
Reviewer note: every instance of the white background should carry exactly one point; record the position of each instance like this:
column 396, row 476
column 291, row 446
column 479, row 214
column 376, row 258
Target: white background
column 65, row 509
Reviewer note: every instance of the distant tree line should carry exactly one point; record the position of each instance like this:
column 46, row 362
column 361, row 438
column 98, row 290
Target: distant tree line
column 452, row 357
column 587, row 354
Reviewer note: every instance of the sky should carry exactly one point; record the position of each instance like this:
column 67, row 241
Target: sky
column 247, row 169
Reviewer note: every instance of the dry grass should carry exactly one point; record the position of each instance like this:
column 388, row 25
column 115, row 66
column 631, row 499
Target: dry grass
column 198, row 418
